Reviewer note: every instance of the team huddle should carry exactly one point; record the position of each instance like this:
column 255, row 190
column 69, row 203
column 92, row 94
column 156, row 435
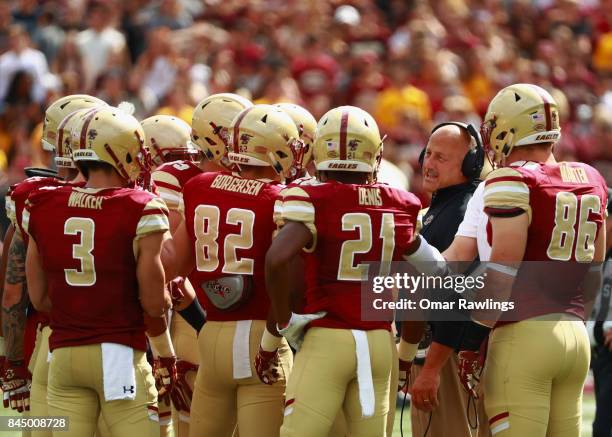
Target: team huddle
column 157, row 282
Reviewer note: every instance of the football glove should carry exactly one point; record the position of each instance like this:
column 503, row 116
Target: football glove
column 5, row 395
column 175, row 287
column 294, row 331
column 16, row 382
column 470, row 369
column 182, row 394
column 404, row 374
column 164, row 371
column 266, row 365
column 406, row 353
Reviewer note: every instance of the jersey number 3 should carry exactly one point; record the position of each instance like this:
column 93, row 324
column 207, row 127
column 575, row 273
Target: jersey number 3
column 570, row 209
column 84, row 228
column 362, row 222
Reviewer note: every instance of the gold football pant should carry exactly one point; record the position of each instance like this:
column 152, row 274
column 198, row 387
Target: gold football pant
column 535, row 372
column 39, row 365
column 324, row 381
column 76, row 390
column 340, row 427
column 220, row 400
column 185, row 340
column 40, row 369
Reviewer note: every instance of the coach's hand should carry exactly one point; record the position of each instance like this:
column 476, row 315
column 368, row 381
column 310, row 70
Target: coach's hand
column 424, row 390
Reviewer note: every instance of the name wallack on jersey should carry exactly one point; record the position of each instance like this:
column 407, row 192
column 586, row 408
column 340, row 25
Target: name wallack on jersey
column 82, row 200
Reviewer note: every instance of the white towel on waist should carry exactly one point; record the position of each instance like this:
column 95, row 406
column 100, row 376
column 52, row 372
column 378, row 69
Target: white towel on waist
column 364, row 373
column 242, row 357
column 118, row 372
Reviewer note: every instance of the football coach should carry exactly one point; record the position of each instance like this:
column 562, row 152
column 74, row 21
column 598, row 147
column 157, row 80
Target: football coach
column 451, row 164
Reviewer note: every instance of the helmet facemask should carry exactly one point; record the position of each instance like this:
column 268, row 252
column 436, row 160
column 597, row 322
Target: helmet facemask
column 298, row 150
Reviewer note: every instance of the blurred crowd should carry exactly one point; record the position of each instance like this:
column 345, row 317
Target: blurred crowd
column 411, row 63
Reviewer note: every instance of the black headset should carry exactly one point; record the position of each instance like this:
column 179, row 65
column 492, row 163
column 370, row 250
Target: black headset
column 474, row 158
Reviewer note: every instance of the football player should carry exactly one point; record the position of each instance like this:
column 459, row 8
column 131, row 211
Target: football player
column 539, row 210
column 168, row 139
column 341, row 223
column 227, row 230
column 306, row 124
column 93, row 263
column 27, row 329
column 177, row 165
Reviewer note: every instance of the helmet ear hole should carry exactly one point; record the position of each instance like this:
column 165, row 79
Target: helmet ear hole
column 128, row 158
column 501, row 135
column 281, row 154
column 210, row 141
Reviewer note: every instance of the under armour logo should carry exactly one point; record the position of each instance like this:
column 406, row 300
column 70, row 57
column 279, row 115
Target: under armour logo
column 129, row 389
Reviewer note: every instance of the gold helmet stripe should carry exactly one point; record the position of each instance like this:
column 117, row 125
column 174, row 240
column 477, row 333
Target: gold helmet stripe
column 59, row 151
column 236, row 136
column 60, row 133
column 343, row 132
column 88, row 119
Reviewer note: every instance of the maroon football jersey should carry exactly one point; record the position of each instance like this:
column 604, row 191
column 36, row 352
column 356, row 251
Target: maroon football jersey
column 87, row 240
column 229, row 221
column 18, row 194
column 15, row 204
column 351, row 226
column 171, row 177
column 566, row 205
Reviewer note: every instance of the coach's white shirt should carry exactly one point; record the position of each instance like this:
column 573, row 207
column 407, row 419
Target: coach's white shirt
column 474, row 224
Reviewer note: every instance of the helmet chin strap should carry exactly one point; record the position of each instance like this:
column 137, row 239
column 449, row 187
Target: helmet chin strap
column 159, row 155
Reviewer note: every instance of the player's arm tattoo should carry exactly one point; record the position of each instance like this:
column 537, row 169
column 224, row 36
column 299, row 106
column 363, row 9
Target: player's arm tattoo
column 15, row 300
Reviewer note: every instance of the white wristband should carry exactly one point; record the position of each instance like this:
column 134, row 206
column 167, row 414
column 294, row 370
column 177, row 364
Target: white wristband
column 427, row 259
column 270, row 342
column 162, row 345
column 407, row 351
column 507, row 270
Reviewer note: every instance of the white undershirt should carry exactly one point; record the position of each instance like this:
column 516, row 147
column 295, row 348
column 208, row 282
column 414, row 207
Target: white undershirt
column 474, row 224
